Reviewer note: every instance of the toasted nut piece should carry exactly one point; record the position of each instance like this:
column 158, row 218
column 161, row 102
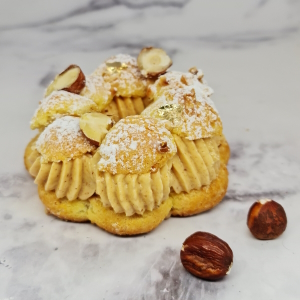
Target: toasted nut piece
column 193, row 70
column 95, row 126
column 71, row 80
column 206, row 256
column 153, row 61
column 183, row 80
column 266, row 219
column 200, row 77
column 163, row 147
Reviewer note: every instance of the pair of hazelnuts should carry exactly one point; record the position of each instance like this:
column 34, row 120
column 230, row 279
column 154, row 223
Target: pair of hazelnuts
column 208, row 257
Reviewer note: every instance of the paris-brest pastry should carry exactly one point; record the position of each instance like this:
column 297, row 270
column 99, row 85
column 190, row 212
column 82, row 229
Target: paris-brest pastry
column 129, row 145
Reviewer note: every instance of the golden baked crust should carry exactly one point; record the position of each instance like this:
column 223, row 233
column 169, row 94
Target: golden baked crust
column 224, row 150
column 75, row 211
column 119, row 224
column 136, row 145
column 58, row 104
column 184, row 100
column 28, row 161
column 98, row 90
column 93, row 210
column 124, row 76
column 197, row 201
column 63, row 140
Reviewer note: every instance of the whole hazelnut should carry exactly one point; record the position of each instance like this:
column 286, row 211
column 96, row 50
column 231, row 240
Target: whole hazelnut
column 206, row 256
column 266, row 219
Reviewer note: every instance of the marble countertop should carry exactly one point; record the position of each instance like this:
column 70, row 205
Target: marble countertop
column 250, row 54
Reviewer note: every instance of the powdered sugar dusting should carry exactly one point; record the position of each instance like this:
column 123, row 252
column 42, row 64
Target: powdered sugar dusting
column 58, row 100
column 61, row 103
column 63, row 138
column 131, row 146
column 185, row 83
column 199, row 117
column 127, row 80
column 96, row 84
column 123, row 58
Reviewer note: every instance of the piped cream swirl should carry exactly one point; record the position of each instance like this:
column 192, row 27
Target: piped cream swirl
column 73, row 179
column 196, row 163
column 134, row 193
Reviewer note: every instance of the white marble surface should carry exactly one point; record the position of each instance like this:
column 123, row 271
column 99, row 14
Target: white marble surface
column 250, row 54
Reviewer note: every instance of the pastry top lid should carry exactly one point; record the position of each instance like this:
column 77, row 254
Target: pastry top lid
column 63, row 140
column 98, row 90
column 122, row 72
column 136, row 145
column 183, row 99
column 58, row 104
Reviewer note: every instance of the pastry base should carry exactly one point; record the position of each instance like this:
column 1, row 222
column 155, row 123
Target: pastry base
column 197, row 201
column 119, row 224
column 28, row 151
column 74, row 211
column 92, row 210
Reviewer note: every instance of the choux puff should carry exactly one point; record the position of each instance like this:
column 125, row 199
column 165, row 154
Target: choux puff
column 64, row 169
column 98, row 90
column 56, row 105
column 133, row 177
column 121, row 72
column 199, row 176
column 69, row 94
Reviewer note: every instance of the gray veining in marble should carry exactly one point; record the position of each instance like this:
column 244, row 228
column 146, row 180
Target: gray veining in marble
column 250, row 54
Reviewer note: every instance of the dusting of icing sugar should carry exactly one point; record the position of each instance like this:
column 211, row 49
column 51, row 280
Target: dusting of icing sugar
column 199, row 114
column 63, row 139
column 58, row 99
column 131, row 146
column 126, row 81
column 123, row 58
column 58, row 104
column 95, row 84
column 201, row 89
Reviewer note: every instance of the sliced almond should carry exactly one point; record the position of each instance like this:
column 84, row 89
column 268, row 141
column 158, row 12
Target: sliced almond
column 71, row 80
column 153, row 61
column 95, row 126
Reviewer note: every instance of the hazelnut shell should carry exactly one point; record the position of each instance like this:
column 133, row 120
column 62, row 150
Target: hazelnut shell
column 206, row 256
column 66, row 81
column 77, row 86
column 266, row 219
